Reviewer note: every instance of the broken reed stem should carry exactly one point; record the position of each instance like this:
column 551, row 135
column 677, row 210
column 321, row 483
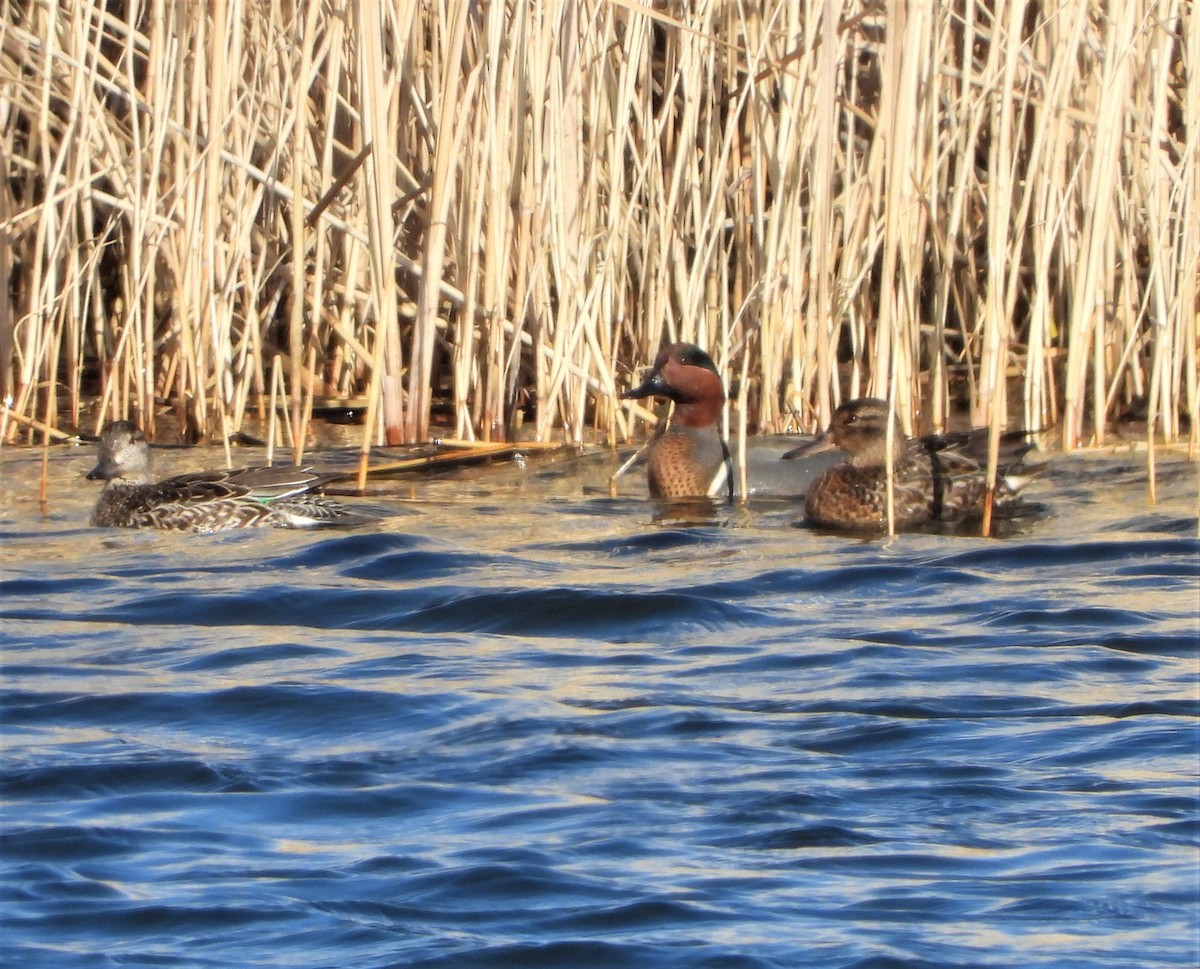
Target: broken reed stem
column 743, row 489
column 301, row 439
column 43, row 484
column 32, row 423
column 5, row 411
column 921, row 197
column 273, row 417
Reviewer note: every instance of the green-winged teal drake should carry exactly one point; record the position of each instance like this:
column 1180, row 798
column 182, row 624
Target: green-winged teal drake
column 935, row 478
column 687, row 458
column 205, row 501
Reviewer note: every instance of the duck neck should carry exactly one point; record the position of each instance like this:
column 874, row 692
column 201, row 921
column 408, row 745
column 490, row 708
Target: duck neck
column 132, row 480
column 874, row 455
column 697, row 413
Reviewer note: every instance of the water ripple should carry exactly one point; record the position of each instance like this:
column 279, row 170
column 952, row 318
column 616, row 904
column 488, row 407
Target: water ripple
column 499, row 733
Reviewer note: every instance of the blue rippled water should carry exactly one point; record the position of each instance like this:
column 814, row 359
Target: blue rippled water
column 512, row 725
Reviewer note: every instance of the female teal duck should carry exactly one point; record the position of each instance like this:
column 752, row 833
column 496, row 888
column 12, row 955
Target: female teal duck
column 688, row 458
column 205, row 501
column 936, row 478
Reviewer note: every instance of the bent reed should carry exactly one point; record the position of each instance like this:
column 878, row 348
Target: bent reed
column 447, row 215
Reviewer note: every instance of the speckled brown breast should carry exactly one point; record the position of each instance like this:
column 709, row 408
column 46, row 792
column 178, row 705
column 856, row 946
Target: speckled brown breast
column 856, row 498
column 684, row 461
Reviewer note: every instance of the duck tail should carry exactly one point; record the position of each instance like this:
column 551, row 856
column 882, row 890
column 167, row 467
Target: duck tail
column 1011, row 485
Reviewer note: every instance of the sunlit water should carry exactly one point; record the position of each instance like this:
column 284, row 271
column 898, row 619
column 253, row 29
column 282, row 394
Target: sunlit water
column 515, row 724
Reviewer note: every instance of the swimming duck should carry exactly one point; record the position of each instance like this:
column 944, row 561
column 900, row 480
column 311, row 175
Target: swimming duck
column 205, row 501
column 687, row 458
column 935, row 478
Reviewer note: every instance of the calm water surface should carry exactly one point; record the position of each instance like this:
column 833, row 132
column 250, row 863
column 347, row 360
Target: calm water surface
column 517, row 725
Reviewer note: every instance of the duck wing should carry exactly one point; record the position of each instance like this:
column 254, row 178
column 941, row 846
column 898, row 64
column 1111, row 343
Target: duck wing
column 279, row 481
column 972, row 446
column 958, row 477
column 262, row 485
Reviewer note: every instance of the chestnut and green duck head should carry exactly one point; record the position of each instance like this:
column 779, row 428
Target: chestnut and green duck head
column 688, row 458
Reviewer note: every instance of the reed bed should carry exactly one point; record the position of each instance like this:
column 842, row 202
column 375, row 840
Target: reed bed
column 451, row 215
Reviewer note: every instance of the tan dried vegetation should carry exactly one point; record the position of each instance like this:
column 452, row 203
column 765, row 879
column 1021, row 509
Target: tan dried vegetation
column 458, row 212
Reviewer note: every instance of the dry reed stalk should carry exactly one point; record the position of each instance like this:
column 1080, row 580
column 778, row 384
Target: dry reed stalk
column 379, row 175
column 1184, row 320
column 559, row 62
column 297, row 224
column 7, row 309
column 274, row 412
column 1057, row 174
column 306, row 409
column 821, row 313
column 889, row 464
column 452, row 126
column 1000, row 287
column 44, row 478
column 501, row 108
column 1086, row 325
column 743, row 482
column 893, row 366
column 1167, row 281
column 464, row 363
